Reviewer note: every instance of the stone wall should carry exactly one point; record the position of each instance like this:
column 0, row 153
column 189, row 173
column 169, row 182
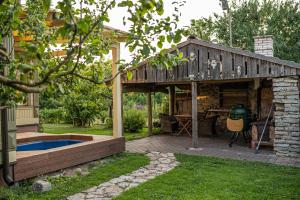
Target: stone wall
column 287, row 120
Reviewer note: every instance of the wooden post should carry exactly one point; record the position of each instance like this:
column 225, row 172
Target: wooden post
column 36, row 98
column 117, row 94
column 171, row 99
column 149, row 100
column 194, row 115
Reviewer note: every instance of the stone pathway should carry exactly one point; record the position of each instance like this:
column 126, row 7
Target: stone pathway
column 159, row 163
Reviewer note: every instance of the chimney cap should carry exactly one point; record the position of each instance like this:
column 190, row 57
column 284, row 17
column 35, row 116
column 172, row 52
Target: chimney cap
column 263, row 36
column 192, row 37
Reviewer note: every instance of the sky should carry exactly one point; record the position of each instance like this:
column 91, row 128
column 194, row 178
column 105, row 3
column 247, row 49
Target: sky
column 193, row 9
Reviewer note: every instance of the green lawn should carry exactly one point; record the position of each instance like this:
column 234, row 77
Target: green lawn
column 96, row 130
column 63, row 187
column 213, row 178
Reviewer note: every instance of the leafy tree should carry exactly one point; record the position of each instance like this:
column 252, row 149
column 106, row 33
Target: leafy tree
column 85, row 103
column 77, row 101
column 80, row 27
column 255, row 17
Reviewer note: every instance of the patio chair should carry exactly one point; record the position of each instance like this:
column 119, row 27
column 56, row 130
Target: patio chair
column 169, row 124
column 235, row 126
column 174, row 124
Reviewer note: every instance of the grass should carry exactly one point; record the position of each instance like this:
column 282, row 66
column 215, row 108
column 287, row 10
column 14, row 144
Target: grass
column 214, row 178
column 63, row 187
column 95, row 130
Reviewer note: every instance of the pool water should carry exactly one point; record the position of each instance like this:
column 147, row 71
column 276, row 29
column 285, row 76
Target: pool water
column 46, row 144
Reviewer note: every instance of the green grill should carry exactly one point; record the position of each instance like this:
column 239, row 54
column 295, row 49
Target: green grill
column 241, row 112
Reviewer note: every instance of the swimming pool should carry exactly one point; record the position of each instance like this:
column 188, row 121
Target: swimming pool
column 44, row 145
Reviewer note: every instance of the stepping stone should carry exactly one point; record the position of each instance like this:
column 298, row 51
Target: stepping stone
column 159, row 164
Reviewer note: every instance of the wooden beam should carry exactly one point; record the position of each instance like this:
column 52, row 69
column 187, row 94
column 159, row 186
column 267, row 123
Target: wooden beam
column 194, row 115
column 171, row 99
column 117, row 94
column 149, row 101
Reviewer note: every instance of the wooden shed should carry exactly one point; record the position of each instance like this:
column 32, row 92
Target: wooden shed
column 217, row 77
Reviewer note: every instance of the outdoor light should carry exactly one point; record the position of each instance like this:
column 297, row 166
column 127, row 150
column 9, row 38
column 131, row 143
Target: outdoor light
column 202, row 97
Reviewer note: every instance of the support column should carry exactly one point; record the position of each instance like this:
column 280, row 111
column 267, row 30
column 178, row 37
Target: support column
column 117, row 94
column 194, row 115
column 36, row 98
column 149, row 101
column 171, row 99
column 287, row 117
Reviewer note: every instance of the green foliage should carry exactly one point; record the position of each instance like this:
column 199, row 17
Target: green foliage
column 7, row 194
column 84, row 103
column 254, row 17
column 51, row 98
column 132, row 99
column 9, row 96
column 53, row 115
column 94, row 130
column 108, row 122
column 165, row 105
column 134, row 121
column 62, row 187
column 80, row 28
column 215, row 178
column 80, row 101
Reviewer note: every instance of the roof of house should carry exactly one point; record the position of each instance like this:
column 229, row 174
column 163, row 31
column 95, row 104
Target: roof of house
column 234, row 50
column 213, row 62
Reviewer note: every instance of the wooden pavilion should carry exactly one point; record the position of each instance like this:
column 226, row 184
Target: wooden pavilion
column 217, row 77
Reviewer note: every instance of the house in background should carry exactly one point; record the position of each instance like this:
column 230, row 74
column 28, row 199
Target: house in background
column 27, row 112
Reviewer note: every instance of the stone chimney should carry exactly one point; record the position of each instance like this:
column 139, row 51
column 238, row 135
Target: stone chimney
column 264, row 45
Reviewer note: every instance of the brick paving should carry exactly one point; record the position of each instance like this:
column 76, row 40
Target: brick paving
column 208, row 146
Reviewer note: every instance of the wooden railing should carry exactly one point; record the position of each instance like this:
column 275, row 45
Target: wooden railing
column 25, row 115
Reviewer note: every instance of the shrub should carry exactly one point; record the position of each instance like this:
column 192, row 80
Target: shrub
column 55, row 115
column 134, row 121
column 108, row 122
column 85, row 103
column 156, row 124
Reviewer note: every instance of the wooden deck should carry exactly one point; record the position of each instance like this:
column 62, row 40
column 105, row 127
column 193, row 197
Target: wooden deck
column 34, row 163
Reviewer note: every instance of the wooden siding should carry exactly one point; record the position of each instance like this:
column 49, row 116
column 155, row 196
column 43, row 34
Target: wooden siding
column 230, row 64
column 35, row 163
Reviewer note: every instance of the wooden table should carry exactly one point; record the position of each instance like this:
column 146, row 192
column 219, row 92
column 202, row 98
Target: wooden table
column 185, row 121
column 217, row 111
